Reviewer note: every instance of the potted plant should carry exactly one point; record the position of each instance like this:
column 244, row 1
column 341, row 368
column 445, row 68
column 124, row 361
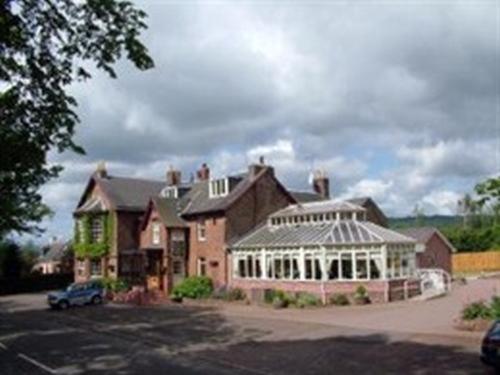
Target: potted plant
column 361, row 296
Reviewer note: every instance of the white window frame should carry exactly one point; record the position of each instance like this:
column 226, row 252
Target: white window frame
column 155, row 233
column 96, row 229
column 201, row 230
column 218, row 188
column 201, row 262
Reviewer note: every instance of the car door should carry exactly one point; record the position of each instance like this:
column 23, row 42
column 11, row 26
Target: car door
column 77, row 294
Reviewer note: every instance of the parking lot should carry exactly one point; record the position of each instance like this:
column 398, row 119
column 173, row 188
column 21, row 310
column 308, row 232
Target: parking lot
column 206, row 339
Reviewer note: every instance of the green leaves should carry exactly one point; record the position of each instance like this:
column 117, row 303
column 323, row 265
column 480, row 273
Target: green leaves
column 44, row 47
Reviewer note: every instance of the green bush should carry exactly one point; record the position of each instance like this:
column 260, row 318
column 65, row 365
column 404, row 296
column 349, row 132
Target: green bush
column 235, row 294
column 307, row 299
column 280, row 302
column 476, row 310
column 361, row 292
column 339, row 299
column 271, row 294
column 495, row 307
column 194, row 287
column 115, row 285
column 229, row 294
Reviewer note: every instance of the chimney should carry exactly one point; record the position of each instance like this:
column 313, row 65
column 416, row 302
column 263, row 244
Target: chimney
column 101, row 171
column 203, row 173
column 254, row 169
column 321, row 184
column 173, row 177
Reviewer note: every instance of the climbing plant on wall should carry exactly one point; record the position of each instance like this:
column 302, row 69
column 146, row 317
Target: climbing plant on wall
column 84, row 246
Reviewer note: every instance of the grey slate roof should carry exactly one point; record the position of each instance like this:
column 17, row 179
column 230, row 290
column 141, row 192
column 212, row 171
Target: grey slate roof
column 317, row 207
column 344, row 232
column 424, row 234
column 169, row 211
column 306, row 196
column 129, row 193
column 55, row 252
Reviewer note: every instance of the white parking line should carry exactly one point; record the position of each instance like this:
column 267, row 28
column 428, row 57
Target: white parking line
column 36, row 363
column 3, row 346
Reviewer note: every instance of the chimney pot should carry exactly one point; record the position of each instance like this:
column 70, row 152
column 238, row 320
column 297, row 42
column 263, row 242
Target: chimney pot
column 203, row 173
column 101, row 170
column 173, row 177
column 321, row 184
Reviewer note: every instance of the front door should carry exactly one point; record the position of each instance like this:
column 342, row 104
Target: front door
column 154, row 267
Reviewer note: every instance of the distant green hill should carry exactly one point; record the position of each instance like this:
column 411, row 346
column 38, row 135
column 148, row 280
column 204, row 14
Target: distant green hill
column 427, row 221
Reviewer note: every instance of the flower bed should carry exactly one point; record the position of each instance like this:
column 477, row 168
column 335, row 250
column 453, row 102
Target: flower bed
column 478, row 315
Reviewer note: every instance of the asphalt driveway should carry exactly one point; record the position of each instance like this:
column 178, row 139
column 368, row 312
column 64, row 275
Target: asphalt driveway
column 206, row 340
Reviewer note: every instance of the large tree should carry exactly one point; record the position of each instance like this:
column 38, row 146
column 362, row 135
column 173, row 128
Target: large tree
column 46, row 45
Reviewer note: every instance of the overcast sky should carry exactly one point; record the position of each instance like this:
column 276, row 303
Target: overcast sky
column 395, row 100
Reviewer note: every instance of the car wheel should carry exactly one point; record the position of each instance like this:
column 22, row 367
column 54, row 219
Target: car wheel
column 96, row 300
column 63, row 305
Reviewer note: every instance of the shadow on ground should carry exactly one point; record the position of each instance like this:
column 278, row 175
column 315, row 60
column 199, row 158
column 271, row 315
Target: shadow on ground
column 180, row 339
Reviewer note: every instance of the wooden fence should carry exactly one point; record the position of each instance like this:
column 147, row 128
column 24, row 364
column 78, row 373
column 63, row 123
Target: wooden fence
column 486, row 261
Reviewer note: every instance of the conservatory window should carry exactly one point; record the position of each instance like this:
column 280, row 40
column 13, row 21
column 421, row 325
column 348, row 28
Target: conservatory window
column 309, row 267
column 397, row 264
column 375, row 267
column 269, row 263
column 258, row 269
column 278, row 268
column 333, row 272
column 287, row 267
column 318, row 273
column 346, row 262
column 242, row 268
column 404, row 265
column 250, row 266
column 361, row 266
column 295, row 267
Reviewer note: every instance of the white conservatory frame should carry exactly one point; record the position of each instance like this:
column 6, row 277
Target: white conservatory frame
column 314, row 263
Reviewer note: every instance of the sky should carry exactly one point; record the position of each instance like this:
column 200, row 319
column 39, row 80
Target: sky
column 397, row 100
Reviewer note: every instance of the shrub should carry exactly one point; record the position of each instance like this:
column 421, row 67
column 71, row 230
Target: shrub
column 235, row 294
column 476, row 310
column 307, row 299
column 271, row 294
column 194, row 287
column 339, row 299
column 279, row 302
column 229, row 294
column 495, row 307
column 115, row 285
column 361, row 296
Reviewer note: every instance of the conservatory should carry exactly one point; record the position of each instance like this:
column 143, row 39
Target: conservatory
column 324, row 248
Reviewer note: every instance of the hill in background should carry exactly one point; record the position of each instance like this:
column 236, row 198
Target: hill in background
column 438, row 221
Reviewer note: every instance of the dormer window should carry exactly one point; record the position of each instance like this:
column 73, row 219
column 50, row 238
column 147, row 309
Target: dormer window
column 170, row 192
column 218, row 188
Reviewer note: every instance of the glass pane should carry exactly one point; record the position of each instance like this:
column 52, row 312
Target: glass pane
column 286, row 265
column 269, row 262
column 250, row 265
column 318, row 274
column 361, row 266
column 309, row 271
column 375, row 268
column 346, row 266
column 295, row 266
column 333, row 273
column 278, row 272
column 241, row 268
column 258, row 271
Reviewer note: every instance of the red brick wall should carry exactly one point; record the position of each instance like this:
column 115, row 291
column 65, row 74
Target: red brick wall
column 253, row 208
column 436, row 255
column 263, row 198
column 377, row 290
column 146, row 236
column 212, row 249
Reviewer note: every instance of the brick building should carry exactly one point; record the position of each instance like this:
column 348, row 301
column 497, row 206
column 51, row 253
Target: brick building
column 435, row 251
column 158, row 232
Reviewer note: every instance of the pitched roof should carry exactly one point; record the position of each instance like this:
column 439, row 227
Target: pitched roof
column 169, row 211
column 317, row 207
column 306, row 196
column 337, row 233
column 424, row 234
column 131, row 194
column 197, row 201
column 94, row 204
column 55, row 251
